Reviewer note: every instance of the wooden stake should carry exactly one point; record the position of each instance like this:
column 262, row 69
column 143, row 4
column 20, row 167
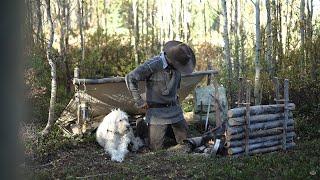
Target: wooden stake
column 240, row 92
column 286, row 112
column 276, row 89
column 217, row 104
column 247, row 118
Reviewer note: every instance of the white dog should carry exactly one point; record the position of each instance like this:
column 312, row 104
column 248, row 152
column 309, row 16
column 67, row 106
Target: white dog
column 114, row 134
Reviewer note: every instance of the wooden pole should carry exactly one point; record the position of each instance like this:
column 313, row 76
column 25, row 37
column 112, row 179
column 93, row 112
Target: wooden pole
column 240, row 121
column 260, row 133
column 235, row 143
column 276, row 89
column 247, row 117
column 258, row 126
column 260, row 148
column 240, row 92
column 217, row 104
column 76, row 75
column 286, row 112
column 209, row 77
column 208, row 111
column 260, row 109
column 122, row 79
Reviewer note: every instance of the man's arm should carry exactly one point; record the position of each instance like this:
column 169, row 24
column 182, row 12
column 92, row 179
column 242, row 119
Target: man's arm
column 141, row 73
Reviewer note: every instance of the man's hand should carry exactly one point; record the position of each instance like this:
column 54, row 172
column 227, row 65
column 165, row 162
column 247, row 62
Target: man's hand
column 144, row 106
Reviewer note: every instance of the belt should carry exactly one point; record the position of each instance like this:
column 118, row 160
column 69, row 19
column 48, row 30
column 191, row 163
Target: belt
column 160, row 105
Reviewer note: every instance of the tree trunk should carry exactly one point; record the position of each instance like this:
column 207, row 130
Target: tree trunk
column 146, row 11
column 242, row 45
column 289, row 24
column 280, row 47
column 257, row 83
column 29, row 25
column 310, row 52
column 51, row 118
column 177, row 30
column 302, row 36
column 68, row 24
column 105, row 11
column 226, row 46
column 81, row 25
column 39, row 26
column 269, row 41
column 237, row 43
column 274, row 36
column 97, row 13
column 180, row 19
column 63, row 19
column 135, row 31
column 204, row 20
column 153, row 33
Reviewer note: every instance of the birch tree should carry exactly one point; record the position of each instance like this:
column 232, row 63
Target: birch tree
column 302, row 35
column 51, row 118
column 257, row 83
column 274, row 27
column 242, row 45
column 269, row 41
column 63, row 19
column 81, row 25
column 39, row 25
column 105, row 12
column 279, row 33
column 226, row 44
column 135, row 30
column 237, row 43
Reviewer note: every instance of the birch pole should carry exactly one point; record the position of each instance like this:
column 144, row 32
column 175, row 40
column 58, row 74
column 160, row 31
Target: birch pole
column 226, row 44
column 257, row 83
column 52, row 64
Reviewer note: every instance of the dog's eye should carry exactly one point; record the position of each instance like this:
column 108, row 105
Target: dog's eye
column 120, row 119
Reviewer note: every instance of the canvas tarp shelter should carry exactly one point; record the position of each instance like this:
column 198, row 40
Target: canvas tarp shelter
column 103, row 95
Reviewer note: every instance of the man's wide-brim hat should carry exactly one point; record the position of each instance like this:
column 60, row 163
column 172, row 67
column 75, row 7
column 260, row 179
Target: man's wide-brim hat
column 180, row 55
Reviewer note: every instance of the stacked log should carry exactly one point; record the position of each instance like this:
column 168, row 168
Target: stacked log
column 265, row 131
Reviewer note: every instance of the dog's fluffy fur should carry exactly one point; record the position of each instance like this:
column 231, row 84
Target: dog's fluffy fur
column 114, row 134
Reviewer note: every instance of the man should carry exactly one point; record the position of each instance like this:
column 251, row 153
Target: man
column 163, row 75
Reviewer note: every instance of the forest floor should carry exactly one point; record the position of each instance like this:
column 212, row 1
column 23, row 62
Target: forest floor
column 59, row 157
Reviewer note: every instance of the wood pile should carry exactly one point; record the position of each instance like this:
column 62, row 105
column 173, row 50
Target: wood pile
column 262, row 128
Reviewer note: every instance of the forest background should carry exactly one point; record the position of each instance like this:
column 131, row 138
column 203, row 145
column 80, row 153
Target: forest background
column 252, row 39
